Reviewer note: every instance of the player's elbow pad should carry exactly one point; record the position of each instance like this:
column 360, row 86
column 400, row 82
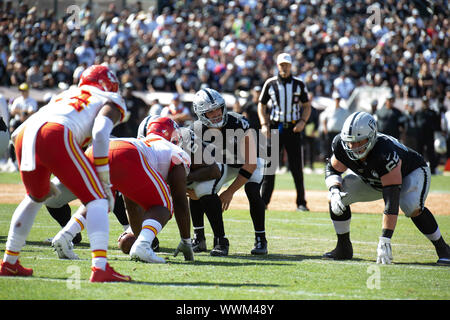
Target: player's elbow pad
column 332, row 176
column 391, row 196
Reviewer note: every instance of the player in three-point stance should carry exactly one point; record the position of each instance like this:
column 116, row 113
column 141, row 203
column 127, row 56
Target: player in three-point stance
column 383, row 168
column 50, row 142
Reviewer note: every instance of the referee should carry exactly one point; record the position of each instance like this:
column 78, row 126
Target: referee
column 289, row 113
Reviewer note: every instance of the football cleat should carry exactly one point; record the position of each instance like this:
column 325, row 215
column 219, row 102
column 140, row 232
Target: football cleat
column 155, row 245
column 199, row 245
column 341, row 252
column 221, row 247
column 107, row 275
column 260, row 246
column 64, row 247
column 14, row 270
column 444, row 255
column 142, row 251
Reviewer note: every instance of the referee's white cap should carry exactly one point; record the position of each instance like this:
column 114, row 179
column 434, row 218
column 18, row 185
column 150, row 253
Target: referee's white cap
column 284, row 58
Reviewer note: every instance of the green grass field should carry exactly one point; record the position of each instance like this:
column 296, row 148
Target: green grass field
column 293, row 270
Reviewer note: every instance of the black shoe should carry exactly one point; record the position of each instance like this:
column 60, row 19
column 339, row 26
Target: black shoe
column 155, row 245
column 341, row 252
column 199, row 244
column 302, row 208
column 77, row 238
column 221, row 246
column 444, row 256
column 260, row 246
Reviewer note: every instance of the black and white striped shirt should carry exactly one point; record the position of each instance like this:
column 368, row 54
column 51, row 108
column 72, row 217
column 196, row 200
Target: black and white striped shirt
column 286, row 96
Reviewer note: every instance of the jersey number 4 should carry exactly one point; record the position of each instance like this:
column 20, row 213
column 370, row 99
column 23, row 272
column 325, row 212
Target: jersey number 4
column 80, row 101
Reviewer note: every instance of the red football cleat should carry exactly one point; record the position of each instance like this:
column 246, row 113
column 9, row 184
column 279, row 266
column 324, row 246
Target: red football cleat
column 107, row 275
column 14, row 270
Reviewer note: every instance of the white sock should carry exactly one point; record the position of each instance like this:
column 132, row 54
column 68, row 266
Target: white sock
column 150, row 228
column 342, row 227
column 75, row 225
column 21, row 223
column 434, row 236
column 97, row 227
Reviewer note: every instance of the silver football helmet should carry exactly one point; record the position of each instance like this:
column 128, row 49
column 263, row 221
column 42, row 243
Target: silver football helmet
column 207, row 100
column 358, row 127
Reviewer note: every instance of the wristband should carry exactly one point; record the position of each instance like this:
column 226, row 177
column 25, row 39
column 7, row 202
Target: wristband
column 245, row 173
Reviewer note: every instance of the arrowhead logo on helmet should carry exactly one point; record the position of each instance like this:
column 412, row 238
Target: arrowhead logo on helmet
column 100, row 77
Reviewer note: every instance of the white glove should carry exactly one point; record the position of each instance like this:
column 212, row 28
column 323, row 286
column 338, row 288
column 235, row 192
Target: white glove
column 337, row 206
column 106, row 183
column 384, row 251
column 185, row 246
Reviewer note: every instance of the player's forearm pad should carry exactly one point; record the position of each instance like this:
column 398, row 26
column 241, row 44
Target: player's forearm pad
column 332, row 176
column 391, row 196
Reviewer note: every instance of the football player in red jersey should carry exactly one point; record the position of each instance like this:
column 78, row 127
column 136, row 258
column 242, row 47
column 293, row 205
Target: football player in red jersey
column 50, row 142
column 149, row 172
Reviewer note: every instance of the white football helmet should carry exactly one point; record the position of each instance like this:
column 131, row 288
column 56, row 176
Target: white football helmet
column 357, row 127
column 207, row 100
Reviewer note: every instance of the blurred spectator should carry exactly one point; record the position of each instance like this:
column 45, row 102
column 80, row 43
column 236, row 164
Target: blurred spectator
column 177, row 111
column 311, row 139
column 389, row 118
column 186, row 83
column 428, row 122
column 22, row 107
column 332, row 121
column 137, row 110
column 411, row 133
column 157, row 81
column 155, row 108
column 373, row 108
column 344, row 86
column 446, row 129
column 35, row 77
column 250, row 108
column 78, row 71
column 85, row 53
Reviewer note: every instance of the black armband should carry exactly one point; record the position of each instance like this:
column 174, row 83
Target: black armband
column 332, row 176
column 245, row 173
column 391, row 196
column 329, row 170
column 387, row 233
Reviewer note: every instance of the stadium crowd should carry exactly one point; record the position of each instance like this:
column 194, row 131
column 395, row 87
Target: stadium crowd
column 231, row 45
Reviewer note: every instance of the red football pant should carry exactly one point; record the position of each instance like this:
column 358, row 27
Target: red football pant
column 59, row 153
column 132, row 175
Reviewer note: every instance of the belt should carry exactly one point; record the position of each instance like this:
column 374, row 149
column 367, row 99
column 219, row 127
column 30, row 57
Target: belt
column 284, row 125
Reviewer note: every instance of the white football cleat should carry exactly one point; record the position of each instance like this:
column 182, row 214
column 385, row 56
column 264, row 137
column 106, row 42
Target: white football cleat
column 64, row 247
column 142, row 251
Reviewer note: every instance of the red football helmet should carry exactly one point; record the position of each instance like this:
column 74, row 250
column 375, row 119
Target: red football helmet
column 101, row 77
column 166, row 128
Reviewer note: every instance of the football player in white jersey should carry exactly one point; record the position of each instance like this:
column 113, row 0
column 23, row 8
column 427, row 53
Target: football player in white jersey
column 143, row 170
column 50, row 142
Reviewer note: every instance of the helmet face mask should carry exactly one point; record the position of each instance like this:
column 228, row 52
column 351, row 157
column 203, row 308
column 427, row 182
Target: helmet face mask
column 207, row 100
column 358, row 135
